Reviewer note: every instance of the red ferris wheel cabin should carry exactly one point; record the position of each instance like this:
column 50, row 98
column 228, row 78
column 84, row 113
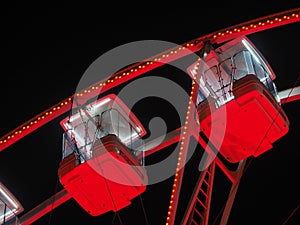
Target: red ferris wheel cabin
column 99, row 167
column 238, row 105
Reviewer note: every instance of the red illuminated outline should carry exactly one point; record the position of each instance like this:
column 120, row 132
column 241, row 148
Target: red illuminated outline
column 140, row 68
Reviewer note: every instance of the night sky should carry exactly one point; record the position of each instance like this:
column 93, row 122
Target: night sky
column 46, row 52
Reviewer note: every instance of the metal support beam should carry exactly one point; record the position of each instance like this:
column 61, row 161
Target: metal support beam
column 45, row 207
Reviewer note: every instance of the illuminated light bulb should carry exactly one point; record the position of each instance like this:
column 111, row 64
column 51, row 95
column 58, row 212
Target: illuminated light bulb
column 81, row 94
column 223, row 34
column 12, row 136
column 120, row 77
column 108, row 81
column 31, row 123
column 39, row 118
column 8, row 137
column 93, row 87
column 215, row 36
column 1, row 142
column 263, row 24
column 58, row 107
column 85, row 91
column 27, row 126
column 284, row 17
column 279, row 20
column 276, row 19
column 170, row 207
column 192, row 44
column 4, row 141
column 127, row 73
column 66, row 103
column 42, row 118
column 254, row 26
column 46, row 113
column 77, row 94
column 50, row 112
column 54, row 109
column 34, row 122
column 20, row 131
column 124, row 74
column 230, row 32
column 288, row 17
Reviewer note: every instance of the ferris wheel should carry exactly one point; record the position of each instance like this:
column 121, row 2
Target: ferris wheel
column 233, row 114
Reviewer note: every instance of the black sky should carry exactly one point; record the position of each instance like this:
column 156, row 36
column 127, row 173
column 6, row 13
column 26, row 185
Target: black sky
column 47, row 51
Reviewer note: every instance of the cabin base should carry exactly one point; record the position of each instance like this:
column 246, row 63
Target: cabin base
column 253, row 121
column 108, row 181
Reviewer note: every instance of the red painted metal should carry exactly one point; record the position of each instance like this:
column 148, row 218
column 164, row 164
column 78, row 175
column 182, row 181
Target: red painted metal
column 130, row 72
column 45, row 207
column 108, row 181
column 254, row 120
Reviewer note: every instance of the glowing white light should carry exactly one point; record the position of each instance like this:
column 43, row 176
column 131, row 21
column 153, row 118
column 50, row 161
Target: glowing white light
column 7, row 197
column 249, row 48
column 12, row 206
column 138, row 129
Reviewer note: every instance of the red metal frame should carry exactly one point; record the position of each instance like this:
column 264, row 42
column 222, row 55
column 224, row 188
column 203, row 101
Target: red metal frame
column 250, row 27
